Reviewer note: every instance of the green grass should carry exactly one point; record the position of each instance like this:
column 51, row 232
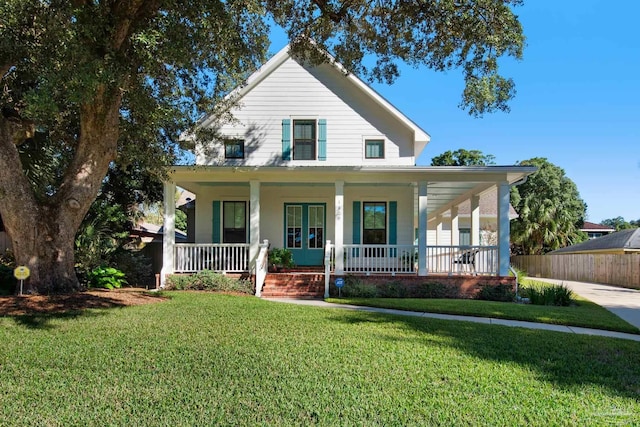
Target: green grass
column 584, row 313
column 208, row 359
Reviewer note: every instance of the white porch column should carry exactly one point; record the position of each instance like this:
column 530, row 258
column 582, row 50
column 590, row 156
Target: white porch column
column 439, row 231
column 455, row 231
column 422, row 229
column 169, row 231
column 338, row 238
column 503, row 228
column 475, row 220
column 254, row 220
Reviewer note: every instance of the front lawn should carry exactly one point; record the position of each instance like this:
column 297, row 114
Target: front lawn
column 209, row 359
column 584, row 314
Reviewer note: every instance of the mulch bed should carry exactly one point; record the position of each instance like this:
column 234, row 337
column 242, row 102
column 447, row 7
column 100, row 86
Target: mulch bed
column 95, row 298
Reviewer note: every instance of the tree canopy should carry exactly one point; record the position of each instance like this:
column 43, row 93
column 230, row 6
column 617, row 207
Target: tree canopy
column 89, row 83
column 550, row 210
column 619, row 223
column 462, row 157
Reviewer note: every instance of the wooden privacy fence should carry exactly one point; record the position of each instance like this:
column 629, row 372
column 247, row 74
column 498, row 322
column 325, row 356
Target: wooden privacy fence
column 618, row 270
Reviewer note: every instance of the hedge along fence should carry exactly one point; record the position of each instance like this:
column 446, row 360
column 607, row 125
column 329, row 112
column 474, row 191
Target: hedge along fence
column 618, row 270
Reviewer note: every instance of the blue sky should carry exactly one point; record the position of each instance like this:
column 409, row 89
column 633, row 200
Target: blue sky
column 577, row 102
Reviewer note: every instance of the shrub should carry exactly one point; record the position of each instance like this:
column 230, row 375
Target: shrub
column 354, row 287
column 558, row 295
column 7, row 281
column 136, row 266
column 106, row 277
column 281, row 257
column 502, row 292
column 436, row 290
column 394, row 289
column 208, row 281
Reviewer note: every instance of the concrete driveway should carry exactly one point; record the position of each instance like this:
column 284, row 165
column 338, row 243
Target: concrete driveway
column 625, row 303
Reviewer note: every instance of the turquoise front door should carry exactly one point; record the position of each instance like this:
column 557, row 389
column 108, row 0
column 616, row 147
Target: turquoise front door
column 305, row 232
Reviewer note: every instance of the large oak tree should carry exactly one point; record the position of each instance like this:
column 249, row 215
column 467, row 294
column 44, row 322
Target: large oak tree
column 87, row 82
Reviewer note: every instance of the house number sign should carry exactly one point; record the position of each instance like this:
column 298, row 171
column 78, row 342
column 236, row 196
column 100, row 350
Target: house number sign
column 339, row 285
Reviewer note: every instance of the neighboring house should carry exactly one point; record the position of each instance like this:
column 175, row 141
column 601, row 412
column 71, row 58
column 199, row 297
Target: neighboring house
column 594, row 230
column 620, row 242
column 318, row 162
column 147, row 238
column 5, row 240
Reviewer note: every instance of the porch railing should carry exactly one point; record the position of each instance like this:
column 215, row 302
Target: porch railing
column 362, row 259
column 462, row 260
column 403, row 259
column 380, row 258
column 223, row 257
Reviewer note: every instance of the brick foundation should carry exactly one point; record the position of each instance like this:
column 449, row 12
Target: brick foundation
column 463, row 286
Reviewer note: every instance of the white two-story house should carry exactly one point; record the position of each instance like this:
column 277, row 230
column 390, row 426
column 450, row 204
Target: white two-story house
column 318, row 162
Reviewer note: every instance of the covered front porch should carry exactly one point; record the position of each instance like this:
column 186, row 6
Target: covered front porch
column 330, row 216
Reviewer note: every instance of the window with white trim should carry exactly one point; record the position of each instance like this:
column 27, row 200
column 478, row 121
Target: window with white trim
column 304, row 140
column 234, row 149
column 235, row 222
column 374, row 148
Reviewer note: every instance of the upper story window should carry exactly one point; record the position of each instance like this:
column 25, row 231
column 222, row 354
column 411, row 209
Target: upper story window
column 304, row 140
column 234, row 149
column 374, row 148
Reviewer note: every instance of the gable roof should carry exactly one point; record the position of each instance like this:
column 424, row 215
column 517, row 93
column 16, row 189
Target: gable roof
column 626, row 240
column 591, row 226
column 421, row 137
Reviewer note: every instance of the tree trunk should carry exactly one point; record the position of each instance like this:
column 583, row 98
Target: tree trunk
column 43, row 229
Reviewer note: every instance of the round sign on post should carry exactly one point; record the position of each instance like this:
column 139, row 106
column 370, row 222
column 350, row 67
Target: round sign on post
column 21, row 272
column 339, row 285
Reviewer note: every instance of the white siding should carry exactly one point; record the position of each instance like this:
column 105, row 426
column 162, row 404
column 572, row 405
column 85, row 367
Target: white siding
column 294, row 92
column 380, row 193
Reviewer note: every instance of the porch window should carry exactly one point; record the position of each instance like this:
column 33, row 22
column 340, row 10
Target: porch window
column 294, row 226
column 235, row 222
column 374, row 149
column 234, row 149
column 374, row 231
column 304, row 140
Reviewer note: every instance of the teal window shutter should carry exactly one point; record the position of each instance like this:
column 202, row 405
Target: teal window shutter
column 356, row 227
column 217, row 221
column 322, row 139
column 286, row 139
column 393, row 226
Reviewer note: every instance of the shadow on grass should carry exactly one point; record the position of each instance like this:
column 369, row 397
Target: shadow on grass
column 566, row 360
column 37, row 311
column 44, row 321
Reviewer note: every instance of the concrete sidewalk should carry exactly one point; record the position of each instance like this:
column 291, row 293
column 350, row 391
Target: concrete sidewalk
column 623, row 302
column 485, row 320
